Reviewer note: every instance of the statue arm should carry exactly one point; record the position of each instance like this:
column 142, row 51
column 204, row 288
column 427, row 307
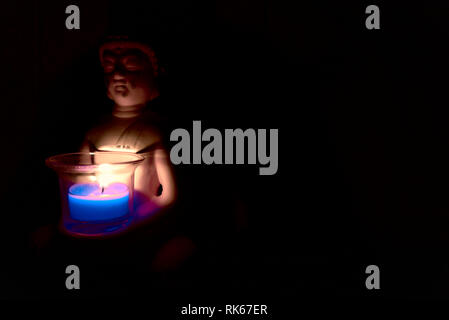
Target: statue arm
column 167, row 179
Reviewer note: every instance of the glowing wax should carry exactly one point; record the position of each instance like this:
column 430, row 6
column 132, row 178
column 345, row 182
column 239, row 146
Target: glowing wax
column 90, row 202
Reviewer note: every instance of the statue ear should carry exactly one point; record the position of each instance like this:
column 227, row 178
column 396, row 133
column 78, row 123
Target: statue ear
column 109, row 95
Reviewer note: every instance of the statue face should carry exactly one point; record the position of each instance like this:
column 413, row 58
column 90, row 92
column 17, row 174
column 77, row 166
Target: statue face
column 129, row 76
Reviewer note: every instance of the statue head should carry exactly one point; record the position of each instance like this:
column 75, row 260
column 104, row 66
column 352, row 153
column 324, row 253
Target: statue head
column 130, row 70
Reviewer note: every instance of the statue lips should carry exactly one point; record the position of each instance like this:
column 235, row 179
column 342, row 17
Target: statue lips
column 121, row 88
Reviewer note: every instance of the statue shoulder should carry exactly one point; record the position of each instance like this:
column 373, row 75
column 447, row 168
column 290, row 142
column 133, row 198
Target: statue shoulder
column 148, row 136
column 98, row 130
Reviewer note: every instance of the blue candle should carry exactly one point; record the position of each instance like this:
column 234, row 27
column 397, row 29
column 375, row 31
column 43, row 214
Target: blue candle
column 90, row 202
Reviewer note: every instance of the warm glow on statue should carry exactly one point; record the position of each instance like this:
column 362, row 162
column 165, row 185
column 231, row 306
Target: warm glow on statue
column 130, row 70
column 123, row 176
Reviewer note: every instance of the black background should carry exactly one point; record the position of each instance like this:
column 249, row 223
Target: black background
column 362, row 118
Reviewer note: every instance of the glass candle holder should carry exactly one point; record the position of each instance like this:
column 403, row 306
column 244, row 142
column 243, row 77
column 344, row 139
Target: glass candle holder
column 97, row 191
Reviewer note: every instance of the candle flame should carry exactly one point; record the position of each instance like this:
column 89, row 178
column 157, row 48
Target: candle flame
column 104, row 176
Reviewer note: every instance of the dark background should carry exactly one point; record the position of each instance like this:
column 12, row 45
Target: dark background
column 363, row 154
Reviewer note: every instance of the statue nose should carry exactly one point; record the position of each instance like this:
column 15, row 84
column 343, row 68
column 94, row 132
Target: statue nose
column 118, row 75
